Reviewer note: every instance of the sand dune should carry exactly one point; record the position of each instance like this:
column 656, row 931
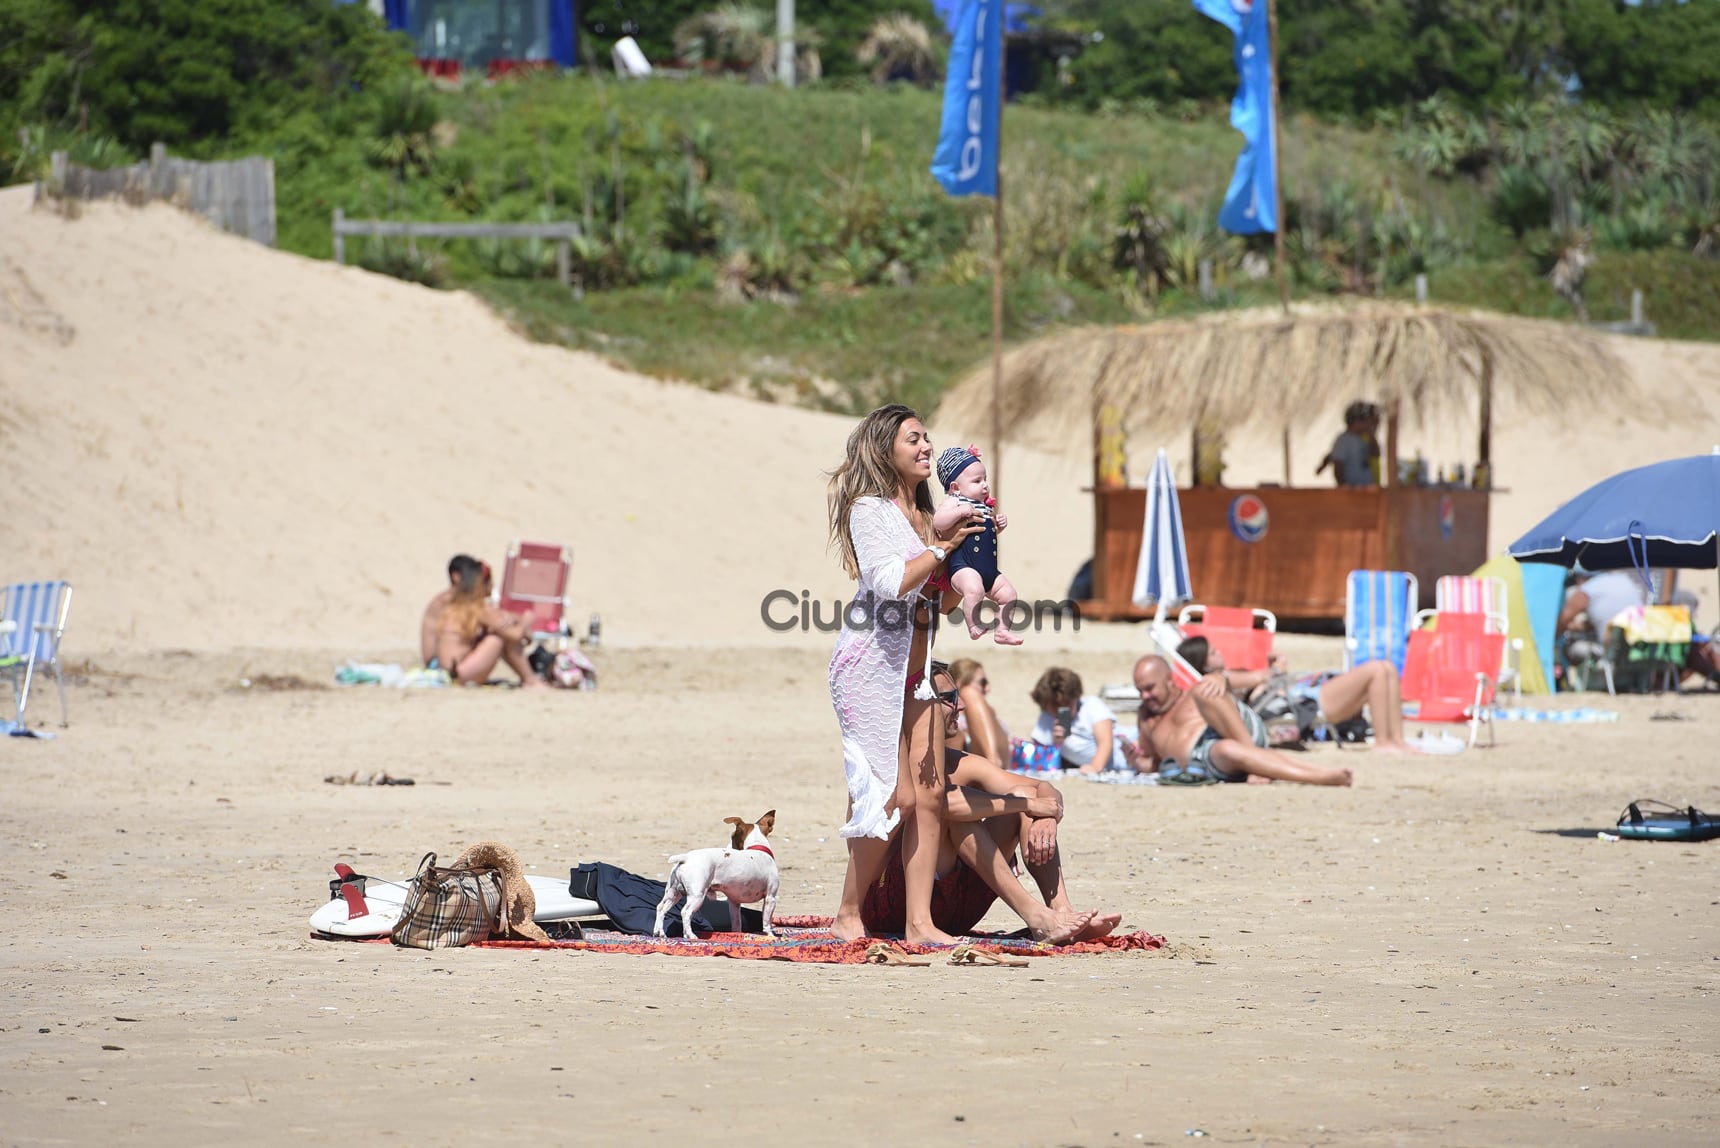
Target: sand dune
column 243, row 447
column 240, row 447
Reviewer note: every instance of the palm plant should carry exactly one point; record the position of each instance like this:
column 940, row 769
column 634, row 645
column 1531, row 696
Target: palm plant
column 405, row 117
column 731, row 35
column 899, row 47
column 1138, row 244
column 1643, row 226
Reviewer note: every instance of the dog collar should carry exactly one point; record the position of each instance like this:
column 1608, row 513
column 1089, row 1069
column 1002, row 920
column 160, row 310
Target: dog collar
column 761, row 849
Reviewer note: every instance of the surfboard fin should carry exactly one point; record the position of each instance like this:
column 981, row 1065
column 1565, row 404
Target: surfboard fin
column 355, row 906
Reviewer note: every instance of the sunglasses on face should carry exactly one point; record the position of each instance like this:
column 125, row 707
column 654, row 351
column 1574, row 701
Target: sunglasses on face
column 947, row 697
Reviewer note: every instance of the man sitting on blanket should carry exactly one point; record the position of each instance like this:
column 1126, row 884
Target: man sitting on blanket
column 991, row 811
column 1207, row 734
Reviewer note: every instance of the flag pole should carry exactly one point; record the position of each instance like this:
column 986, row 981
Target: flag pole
column 1278, row 193
column 1277, row 160
column 996, row 465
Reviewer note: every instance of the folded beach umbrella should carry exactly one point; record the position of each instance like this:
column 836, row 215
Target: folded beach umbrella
column 1161, row 573
column 1663, row 515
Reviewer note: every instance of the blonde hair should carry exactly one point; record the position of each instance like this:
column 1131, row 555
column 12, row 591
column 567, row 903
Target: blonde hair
column 466, row 607
column 964, row 671
column 868, row 470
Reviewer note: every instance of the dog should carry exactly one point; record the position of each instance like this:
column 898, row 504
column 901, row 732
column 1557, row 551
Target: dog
column 519, row 903
column 744, row 872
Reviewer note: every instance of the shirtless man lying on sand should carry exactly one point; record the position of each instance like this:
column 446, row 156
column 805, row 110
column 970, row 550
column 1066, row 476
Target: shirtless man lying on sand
column 1206, row 728
column 990, row 813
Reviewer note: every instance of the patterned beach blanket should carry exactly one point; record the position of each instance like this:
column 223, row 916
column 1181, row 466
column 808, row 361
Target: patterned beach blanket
column 807, row 940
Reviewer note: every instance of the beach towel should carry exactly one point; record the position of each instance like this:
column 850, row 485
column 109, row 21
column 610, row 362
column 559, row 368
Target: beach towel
column 1582, row 716
column 391, row 675
column 807, row 940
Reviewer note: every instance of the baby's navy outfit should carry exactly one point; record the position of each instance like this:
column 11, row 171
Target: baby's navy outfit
column 978, row 552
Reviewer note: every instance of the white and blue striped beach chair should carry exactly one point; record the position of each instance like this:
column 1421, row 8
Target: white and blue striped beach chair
column 1379, row 613
column 32, row 621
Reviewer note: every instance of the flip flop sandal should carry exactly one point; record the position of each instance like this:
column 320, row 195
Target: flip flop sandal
column 968, row 955
column 878, row 953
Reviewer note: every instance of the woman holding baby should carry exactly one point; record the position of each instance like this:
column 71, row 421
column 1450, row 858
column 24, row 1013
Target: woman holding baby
column 881, row 515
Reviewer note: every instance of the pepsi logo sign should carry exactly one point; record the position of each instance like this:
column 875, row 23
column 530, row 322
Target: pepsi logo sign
column 1248, row 518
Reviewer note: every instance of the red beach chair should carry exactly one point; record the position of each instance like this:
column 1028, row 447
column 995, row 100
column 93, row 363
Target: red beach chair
column 534, row 581
column 1451, row 672
column 1243, row 636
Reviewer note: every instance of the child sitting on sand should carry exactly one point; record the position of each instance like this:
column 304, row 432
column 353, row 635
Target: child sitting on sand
column 973, row 565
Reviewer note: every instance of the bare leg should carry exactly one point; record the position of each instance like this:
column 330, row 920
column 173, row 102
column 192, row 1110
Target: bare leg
column 1003, row 593
column 481, row 660
column 976, row 847
column 922, row 770
column 1048, row 875
column 1221, row 715
column 1376, row 686
column 971, row 587
column 866, row 857
column 516, row 659
column 1246, row 757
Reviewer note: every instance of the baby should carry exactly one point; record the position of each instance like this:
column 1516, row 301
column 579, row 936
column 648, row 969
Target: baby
column 973, row 565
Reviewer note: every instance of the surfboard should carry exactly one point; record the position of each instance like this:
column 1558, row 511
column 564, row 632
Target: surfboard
column 381, row 902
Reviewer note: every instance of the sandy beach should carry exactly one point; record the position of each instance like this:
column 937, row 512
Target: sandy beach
column 253, row 466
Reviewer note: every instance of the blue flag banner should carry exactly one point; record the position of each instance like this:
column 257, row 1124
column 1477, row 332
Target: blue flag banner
column 966, row 159
column 1251, row 204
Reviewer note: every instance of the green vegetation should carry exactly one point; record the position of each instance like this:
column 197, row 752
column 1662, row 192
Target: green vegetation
column 837, row 351
column 793, row 241
column 1353, row 57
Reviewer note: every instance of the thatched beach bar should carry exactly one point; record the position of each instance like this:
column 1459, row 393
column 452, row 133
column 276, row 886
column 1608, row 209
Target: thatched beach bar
column 1285, row 548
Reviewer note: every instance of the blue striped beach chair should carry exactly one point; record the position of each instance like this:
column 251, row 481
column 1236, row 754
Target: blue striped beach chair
column 1379, row 612
column 32, row 621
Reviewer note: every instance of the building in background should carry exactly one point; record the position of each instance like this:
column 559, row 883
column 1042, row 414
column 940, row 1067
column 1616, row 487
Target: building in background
column 492, row 36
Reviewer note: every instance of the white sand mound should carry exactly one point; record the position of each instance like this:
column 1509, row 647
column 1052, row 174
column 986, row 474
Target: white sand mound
column 238, row 447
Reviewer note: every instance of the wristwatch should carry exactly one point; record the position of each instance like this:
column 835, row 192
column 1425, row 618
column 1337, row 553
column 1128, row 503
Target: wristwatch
column 939, row 552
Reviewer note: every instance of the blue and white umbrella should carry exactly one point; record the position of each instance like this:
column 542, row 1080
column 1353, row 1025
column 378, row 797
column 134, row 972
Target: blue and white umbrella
column 1663, row 515
column 1161, row 575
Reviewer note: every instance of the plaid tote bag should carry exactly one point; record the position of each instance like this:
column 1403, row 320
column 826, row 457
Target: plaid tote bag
column 448, row 907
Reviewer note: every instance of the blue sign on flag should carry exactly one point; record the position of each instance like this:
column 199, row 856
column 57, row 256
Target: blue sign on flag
column 966, row 159
column 1251, row 204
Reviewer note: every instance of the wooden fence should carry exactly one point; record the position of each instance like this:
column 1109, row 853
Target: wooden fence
column 563, row 233
column 235, row 195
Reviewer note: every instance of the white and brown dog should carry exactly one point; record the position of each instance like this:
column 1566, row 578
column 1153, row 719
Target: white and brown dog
column 744, row 872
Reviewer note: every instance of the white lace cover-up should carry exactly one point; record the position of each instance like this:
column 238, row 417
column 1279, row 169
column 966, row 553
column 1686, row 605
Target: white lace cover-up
column 869, row 668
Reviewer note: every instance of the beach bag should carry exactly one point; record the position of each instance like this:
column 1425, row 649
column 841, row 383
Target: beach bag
column 1274, row 701
column 1034, row 757
column 448, row 907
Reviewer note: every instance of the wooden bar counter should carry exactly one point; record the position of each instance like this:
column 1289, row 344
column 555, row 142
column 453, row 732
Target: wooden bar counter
column 1290, row 550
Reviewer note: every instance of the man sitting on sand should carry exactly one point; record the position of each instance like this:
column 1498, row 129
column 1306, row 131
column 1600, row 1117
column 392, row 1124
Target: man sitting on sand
column 991, row 812
column 1206, row 730
column 460, row 567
